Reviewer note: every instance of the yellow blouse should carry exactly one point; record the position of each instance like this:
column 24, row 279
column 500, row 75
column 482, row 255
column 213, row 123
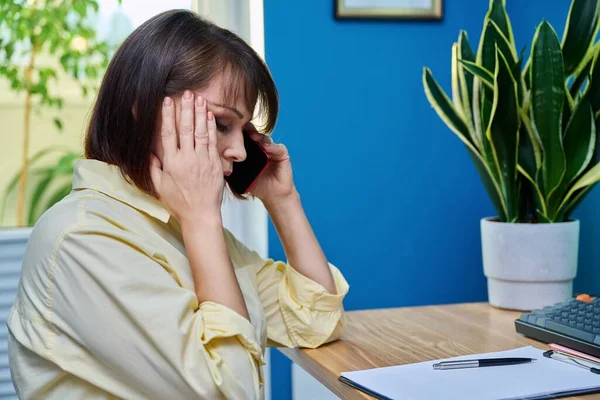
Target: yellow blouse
column 106, row 306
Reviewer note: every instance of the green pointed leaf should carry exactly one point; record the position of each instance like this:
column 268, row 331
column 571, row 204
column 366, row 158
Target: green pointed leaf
column 540, row 203
column 580, row 31
column 571, row 206
column 590, row 178
column 483, row 74
column 443, row 107
column 445, row 110
column 516, row 73
column 503, row 132
column 567, row 111
column 454, row 71
column 547, row 97
column 488, row 151
column 578, row 82
column 491, row 187
column 527, row 158
column 525, row 195
column 497, row 13
column 593, row 90
column 579, row 141
column 465, row 53
column 492, row 37
column 527, row 74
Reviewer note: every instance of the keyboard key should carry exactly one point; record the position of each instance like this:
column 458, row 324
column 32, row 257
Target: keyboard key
column 569, row 331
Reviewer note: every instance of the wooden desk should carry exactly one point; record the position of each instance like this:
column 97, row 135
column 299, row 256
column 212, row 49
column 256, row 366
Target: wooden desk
column 385, row 337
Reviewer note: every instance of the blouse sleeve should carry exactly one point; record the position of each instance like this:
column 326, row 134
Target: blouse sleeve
column 300, row 312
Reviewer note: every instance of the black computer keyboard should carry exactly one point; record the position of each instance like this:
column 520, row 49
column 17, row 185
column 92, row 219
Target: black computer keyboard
column 573, row 323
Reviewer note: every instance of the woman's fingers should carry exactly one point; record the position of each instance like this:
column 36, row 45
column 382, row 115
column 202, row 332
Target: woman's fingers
column 200, row 130
column 168, row 133
column 213, row 153
column 260, row 138
column 186, row 123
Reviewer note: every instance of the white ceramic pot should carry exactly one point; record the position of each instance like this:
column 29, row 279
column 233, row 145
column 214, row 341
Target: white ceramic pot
column 529, row 266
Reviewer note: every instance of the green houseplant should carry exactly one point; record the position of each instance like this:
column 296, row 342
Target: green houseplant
column 530, row 128
column 41, row 42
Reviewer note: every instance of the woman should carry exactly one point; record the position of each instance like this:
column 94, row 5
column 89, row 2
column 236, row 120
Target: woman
column 131, row 288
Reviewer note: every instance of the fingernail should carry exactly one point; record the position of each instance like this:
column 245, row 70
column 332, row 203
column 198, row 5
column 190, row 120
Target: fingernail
column 210, row 116
column 199, row 101
column 168, row 101
column 187, row 95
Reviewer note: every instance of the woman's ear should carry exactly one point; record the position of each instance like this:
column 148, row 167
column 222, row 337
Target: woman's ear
column 134, row 111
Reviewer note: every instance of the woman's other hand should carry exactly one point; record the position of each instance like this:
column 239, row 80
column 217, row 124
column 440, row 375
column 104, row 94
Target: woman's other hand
column 189, row 178
column 277, row 182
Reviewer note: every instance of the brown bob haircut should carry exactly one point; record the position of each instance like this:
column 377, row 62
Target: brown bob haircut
column 170, row 53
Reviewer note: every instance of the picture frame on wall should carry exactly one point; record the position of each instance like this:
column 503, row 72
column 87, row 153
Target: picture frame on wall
column 389, row 9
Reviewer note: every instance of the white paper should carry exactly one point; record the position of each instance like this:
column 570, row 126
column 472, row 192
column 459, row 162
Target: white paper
column 421, row 381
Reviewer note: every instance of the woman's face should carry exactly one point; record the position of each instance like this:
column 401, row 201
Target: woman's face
column 230, row 123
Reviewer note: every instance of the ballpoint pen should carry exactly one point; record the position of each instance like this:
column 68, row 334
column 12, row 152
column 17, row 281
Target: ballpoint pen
column 485, row 362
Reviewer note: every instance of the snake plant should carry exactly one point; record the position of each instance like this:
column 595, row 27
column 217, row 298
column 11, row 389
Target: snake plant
column 531, row 128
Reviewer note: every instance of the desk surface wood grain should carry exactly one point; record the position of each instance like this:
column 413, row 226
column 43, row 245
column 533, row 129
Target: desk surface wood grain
column 386, row 337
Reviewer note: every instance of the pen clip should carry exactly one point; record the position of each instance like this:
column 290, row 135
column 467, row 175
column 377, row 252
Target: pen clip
column 571, row 360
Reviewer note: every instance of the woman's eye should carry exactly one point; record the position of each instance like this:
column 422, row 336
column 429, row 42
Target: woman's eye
column 220, row 126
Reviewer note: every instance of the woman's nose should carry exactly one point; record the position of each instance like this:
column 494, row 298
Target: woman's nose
column 235, row 149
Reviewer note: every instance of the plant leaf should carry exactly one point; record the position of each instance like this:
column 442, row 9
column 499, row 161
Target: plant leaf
column 579, row 141
column 516, row 73
column 589, row 178
column 581, row 76
column 66, row 164
column 497, row 13
column 456, row 99
column 571, row 206
column 503, row 132
column 593, row 90
column 568, row 105
column 443, row 107
column 547, row 97
column 580, row 31
column 488, row 151
column 488, row 182
column 492, row 36
column 527, row 157
column 538, row 197
column 483, row 74
column 465, row 53
column 58, row 124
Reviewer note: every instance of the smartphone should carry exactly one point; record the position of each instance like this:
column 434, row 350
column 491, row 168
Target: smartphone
column 245, row 173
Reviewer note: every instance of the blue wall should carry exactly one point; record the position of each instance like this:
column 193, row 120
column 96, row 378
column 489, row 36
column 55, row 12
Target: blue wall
column 390, row 191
